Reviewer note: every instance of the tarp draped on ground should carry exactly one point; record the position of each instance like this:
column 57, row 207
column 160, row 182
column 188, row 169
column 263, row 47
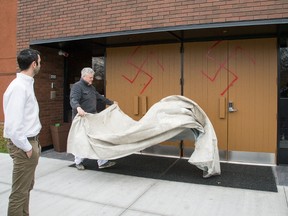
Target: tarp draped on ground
column 112, row 134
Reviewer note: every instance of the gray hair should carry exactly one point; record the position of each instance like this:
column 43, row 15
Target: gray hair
column 87, row 70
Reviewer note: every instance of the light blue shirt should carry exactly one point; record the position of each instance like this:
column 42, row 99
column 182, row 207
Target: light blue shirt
column 21, row 112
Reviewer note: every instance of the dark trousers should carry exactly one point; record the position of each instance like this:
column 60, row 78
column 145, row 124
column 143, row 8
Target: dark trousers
column 22, row 178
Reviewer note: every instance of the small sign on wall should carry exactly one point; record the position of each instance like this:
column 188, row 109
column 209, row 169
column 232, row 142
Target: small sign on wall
column 52, row 94
column 52, row 76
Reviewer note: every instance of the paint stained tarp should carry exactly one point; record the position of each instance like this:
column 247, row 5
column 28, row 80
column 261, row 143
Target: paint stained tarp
column 111, row 134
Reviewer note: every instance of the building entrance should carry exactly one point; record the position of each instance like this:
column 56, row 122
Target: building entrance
column 234, row 82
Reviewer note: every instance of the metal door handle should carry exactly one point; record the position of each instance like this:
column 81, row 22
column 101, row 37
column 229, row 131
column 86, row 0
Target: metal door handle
column 231, row 107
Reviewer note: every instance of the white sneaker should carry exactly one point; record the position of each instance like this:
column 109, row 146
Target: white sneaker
column 107, row 164
column 80, row 166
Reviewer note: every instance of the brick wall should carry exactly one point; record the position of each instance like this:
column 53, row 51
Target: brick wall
column 45, row 19
column 8, row 64
column 51, row 110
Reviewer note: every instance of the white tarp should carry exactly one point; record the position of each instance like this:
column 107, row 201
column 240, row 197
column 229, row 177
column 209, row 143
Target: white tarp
column 112, row 134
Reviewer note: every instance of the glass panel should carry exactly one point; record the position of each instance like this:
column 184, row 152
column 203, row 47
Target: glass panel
column 98, row 65
column 284, row 72
column 283, row 91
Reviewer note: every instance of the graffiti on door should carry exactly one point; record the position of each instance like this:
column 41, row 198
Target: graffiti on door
column 224, row 65
column 139, row 68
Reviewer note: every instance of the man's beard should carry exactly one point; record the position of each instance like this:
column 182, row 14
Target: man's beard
column 36, row 70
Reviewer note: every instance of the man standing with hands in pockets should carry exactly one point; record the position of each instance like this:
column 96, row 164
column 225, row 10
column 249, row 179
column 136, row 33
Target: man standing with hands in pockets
column 21, row 128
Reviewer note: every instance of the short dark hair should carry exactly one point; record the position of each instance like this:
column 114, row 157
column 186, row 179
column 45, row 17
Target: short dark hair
column 26, row 57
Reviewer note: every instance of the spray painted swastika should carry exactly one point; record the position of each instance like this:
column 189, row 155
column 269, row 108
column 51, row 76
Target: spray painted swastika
column 223, row 65
column 151, row 56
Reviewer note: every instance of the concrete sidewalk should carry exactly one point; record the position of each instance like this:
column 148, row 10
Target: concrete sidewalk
column 65, row 191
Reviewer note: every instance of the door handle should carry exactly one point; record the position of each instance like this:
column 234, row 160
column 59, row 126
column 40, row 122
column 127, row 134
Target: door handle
column 231, row 107
column 144, row 105
column 222, row 108
column 136, row 105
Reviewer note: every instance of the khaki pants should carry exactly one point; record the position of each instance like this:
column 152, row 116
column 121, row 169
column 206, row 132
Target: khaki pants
column 22, row 178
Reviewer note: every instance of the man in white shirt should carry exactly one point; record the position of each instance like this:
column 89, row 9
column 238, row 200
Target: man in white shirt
column 21, row 128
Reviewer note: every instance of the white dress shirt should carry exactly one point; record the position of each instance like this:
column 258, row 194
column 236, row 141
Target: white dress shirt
column 21, row 112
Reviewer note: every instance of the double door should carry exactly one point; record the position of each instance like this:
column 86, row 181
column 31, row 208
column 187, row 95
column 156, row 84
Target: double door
column 234, row 82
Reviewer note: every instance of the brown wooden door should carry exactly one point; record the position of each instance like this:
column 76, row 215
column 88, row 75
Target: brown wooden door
column 138, row 77
column 253, row 127
column 242, row 72
column 205, row 80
